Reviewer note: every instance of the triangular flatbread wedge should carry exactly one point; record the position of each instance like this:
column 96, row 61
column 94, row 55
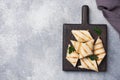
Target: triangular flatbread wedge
column 72, row 57
column 84, row 49
column 99, row 50
column 82, row 35
column 87, row 63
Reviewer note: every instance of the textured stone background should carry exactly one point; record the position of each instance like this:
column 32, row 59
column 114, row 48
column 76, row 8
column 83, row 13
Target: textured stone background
column 31, row 40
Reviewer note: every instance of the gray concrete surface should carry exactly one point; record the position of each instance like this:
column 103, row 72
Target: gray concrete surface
column 31, row 40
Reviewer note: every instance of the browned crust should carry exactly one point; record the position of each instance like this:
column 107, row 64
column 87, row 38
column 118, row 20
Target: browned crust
column 80, row 37
column 86, row 35
column 84, row 50
column 79, row 47
column 92, row 64
column 101, row 53
column 85, row 64
column 89, row 46
column 99, row 59
column 98, row 43
column 73, row 62
column 99, row 48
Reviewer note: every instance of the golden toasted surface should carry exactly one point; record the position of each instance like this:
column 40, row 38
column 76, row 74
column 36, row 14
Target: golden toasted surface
column 82, row 35
column 72, row 57
column 99, row 50
column 88, row 64
column 84, row 49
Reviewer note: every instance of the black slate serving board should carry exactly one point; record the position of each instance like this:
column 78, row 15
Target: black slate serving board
column 67, row 36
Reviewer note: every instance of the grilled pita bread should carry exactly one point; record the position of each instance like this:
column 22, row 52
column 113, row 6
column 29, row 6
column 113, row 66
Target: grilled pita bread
column 87, row 63
column 84, row 49
column 82, row 35
column 99, row 50
column 72, row 57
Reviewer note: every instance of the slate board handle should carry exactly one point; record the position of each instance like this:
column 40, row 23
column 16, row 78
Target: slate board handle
column 85, row 15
